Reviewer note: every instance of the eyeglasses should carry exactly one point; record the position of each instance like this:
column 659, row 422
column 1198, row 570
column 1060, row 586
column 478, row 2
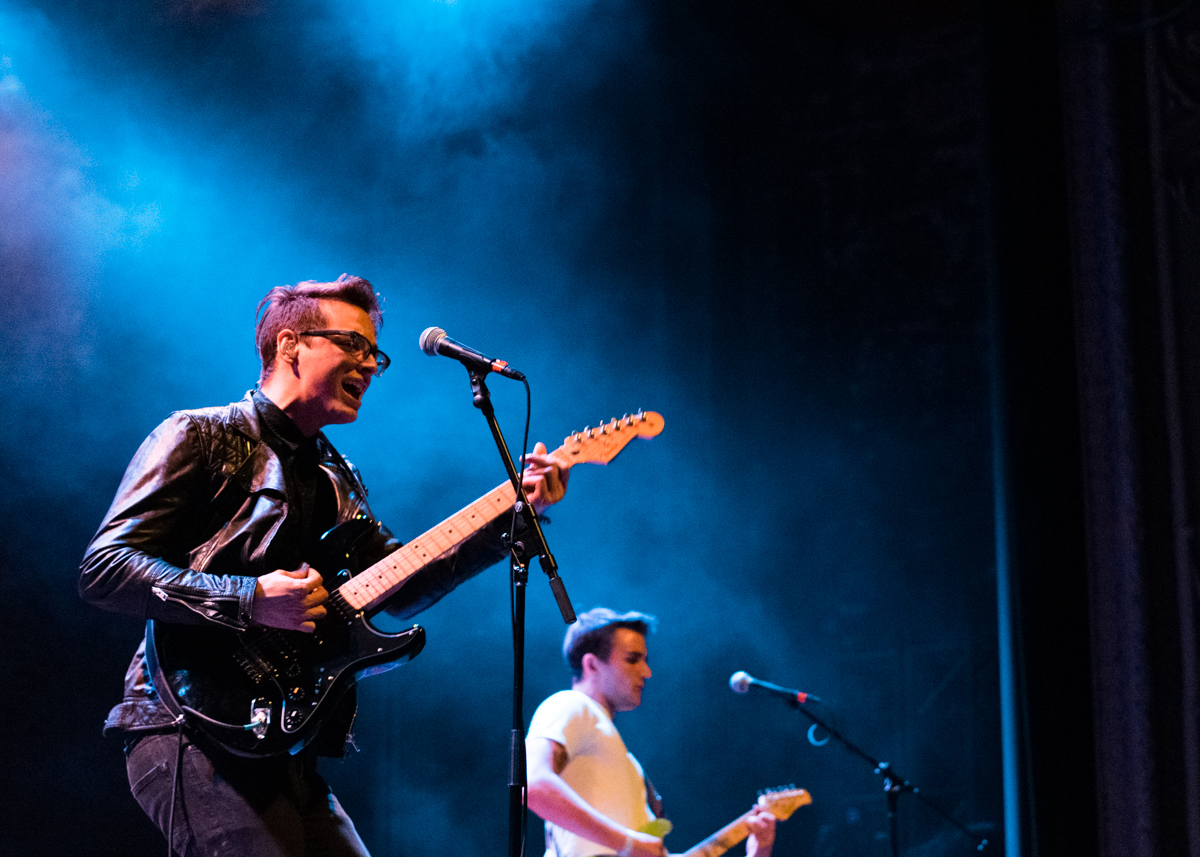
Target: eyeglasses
column 353, row 342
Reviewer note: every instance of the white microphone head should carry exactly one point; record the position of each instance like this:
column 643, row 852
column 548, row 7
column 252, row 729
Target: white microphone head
column 429, row 340
column 739, row 682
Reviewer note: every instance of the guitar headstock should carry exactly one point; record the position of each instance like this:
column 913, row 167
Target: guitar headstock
column 782, row 802
column 601, row 444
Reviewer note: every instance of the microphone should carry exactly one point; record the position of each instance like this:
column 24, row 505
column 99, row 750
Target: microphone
column 434, row 341
column 741, row 682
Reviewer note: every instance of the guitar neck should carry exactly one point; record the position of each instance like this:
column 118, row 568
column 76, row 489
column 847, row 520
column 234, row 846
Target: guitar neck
column 781, row 803
column 721, row 841
column 369, row 589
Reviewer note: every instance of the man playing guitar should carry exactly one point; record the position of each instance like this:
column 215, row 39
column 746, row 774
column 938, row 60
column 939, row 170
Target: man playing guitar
column 582, row 780
column 211, row 535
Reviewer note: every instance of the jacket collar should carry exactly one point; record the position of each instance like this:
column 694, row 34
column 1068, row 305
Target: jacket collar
column 257, row 468
column 260, row 468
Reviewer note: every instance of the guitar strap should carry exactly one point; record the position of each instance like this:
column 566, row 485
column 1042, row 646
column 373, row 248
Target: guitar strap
column 653, row 798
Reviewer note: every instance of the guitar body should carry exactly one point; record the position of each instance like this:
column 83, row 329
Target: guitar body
column 265, row 691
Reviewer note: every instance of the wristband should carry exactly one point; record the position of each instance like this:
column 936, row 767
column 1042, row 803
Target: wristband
column 627, row 849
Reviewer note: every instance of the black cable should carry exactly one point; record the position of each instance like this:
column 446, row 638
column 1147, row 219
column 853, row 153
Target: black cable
column 178, row 776
column 241, row 727
column 512, row 525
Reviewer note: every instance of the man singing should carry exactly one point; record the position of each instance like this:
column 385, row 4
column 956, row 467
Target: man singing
column 582, row 780
column 214, row 524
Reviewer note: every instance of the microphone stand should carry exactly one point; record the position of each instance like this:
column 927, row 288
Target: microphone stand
column 517, row 777
column 893, row 783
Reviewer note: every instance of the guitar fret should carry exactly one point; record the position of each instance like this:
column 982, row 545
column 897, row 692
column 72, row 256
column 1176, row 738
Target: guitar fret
column 781, row 804
column 381, row 580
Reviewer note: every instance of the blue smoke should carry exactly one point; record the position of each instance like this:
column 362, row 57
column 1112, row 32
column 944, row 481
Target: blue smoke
column 496, row 169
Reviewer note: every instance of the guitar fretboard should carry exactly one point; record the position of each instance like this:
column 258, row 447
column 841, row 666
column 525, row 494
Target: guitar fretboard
column 721, row 841
column 780, row 803
column 374, row 585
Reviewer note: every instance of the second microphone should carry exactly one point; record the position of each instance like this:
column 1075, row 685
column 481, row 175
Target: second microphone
column 741, row 682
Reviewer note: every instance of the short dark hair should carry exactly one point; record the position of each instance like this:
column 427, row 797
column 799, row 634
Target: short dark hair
column 298, row 308
column 592, row 633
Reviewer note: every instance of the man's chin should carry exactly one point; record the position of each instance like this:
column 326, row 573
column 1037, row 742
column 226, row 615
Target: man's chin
column 345, row 414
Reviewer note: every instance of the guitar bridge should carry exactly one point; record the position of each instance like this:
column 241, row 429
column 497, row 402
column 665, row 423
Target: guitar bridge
column 260, row 718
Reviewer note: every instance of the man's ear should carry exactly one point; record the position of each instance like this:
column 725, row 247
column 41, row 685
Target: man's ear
column 588, row 663
column 286, row 343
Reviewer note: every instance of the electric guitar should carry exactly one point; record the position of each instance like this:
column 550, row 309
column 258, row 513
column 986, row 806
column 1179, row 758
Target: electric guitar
column 781, row 803
column 265, row 691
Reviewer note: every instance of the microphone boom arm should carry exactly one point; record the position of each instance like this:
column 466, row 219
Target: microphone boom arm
column 893, row 783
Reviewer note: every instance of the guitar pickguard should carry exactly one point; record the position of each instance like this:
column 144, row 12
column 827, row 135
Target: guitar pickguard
column 266, row 691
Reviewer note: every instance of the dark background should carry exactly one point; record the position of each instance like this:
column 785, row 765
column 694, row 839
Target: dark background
column 844, row 250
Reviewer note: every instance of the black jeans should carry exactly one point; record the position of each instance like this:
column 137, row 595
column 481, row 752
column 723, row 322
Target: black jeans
column 235, row 807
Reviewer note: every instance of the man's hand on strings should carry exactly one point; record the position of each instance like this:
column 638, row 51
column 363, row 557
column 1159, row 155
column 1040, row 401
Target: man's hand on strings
column 544, row 479
column 290, row 599
column 762, row 834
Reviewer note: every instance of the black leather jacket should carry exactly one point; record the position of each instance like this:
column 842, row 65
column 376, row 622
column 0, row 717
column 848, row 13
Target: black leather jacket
column 190, row 530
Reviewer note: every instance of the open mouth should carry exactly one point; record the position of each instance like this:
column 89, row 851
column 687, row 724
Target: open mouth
column 355, row 388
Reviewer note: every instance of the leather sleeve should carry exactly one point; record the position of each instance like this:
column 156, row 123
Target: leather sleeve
column 134, row 563
column 444, row 574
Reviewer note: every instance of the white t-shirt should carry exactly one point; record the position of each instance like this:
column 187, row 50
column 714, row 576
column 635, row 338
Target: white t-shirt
column 599, row 768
